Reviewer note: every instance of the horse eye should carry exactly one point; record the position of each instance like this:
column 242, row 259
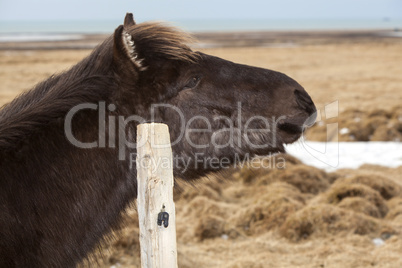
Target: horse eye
column 193, row 82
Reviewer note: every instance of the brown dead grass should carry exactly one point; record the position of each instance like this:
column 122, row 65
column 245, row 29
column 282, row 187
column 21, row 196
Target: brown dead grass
column 323, row 220
column 360, row 204
column 340, row 192
column 396, row 209
column 268, row 209
column 372, row 125
column 386, row 187
column 306, row 179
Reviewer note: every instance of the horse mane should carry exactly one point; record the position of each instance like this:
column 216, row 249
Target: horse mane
column 155, row 39
column 43, row 105
column 91, row 80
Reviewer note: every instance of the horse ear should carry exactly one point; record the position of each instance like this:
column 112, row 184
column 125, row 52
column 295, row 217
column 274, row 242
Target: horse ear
column 124, row 50
column 129, row 20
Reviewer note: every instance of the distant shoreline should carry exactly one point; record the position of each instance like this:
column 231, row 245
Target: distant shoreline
column 207, row 39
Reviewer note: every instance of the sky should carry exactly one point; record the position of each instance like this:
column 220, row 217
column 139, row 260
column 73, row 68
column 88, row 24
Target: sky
column 37, row 10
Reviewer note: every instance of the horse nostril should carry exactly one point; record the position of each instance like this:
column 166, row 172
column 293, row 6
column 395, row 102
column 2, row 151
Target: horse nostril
column 304, row 101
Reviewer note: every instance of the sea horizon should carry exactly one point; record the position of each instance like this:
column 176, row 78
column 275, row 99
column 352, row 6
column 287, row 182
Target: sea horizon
column 20, row 31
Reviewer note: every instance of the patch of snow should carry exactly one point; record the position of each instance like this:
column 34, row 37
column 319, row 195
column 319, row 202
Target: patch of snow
column 344, row 131
column 378, row 242
column 335, row 155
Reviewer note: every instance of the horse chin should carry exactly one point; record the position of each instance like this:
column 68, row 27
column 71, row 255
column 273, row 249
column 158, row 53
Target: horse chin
column 289, row 133
column 291, row 129
column 290, row 138
column 279, row 148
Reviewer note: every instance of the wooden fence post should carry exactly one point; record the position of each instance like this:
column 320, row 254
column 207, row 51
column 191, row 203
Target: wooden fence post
column 155, row 197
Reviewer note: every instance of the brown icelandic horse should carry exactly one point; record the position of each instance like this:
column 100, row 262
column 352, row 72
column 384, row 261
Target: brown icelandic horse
column 59, row 196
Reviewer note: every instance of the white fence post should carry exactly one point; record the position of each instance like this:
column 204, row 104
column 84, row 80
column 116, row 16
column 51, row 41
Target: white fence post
column 155, row 197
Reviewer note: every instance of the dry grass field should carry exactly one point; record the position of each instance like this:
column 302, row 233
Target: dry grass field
column 294, row 217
